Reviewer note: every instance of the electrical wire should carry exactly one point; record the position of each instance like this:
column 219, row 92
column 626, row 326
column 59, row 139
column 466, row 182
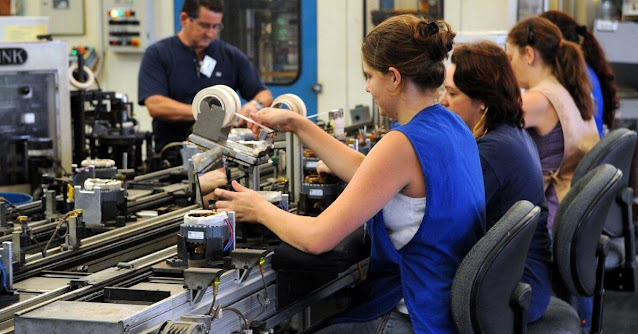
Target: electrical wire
column 64, row 221
column 263, row 299
column 231, row 237
column 242, row 317
column 168, row 146
column 13, row 207
column 216, row 284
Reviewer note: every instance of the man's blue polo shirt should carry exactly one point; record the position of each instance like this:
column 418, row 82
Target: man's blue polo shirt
column 170, row 68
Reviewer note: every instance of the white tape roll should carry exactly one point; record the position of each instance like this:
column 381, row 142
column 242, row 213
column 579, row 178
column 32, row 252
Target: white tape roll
column 81, row 85
column 208, row 217
column 237, row 102
column 292, row 101
column 224, row 95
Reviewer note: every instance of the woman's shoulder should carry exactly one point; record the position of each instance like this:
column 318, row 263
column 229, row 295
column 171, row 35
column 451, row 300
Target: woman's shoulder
column 505, row 140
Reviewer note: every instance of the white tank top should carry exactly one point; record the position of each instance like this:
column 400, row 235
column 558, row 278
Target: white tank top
column 402, row 216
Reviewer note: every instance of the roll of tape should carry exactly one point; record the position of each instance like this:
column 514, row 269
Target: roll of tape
column 226, row 97
column 81, row 85
column 233, row 94
column 292, row 101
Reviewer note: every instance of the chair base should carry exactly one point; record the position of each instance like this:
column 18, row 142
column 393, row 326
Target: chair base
column 559, row 317
column 622, row 279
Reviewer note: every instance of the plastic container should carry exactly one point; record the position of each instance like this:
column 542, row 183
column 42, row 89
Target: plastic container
column 16, row 198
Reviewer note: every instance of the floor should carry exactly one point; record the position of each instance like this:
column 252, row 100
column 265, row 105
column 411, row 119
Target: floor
column 620, row 312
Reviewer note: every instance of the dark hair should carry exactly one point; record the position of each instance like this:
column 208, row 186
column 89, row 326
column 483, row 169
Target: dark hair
column 191, row 7
column 412, row 45
column 564, row 57
column 483, row 72
column 594, row 56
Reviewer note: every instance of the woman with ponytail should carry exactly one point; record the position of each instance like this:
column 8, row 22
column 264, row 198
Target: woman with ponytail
column 557, row 103
column 420, row 188
column 604, row 92
column 604, row 89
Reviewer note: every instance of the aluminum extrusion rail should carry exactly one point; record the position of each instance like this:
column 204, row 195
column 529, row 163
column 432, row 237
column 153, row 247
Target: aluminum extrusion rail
column 104, row 243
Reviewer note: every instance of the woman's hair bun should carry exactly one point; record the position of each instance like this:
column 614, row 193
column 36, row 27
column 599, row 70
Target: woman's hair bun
column 425, row 29
column 435, row 37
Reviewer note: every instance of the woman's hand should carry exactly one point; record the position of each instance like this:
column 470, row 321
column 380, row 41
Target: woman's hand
column 246, row 203
column 279, row 119
column 212, row 180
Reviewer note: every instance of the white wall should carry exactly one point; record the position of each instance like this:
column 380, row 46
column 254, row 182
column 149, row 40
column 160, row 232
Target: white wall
column 480, row 15
column 340, row 26
column 339, row 69
column 119, row 70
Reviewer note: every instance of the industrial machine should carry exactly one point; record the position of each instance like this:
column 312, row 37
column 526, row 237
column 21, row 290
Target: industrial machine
column 113, row 129
column 214, row 109
column 34, row 137
column 96, row 267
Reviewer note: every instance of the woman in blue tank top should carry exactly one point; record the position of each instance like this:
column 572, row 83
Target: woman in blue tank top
column 432, row 157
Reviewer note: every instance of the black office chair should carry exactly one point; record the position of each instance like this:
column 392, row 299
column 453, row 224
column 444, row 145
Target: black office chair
column 580, row 249
column 617, row 150
column 486, row 295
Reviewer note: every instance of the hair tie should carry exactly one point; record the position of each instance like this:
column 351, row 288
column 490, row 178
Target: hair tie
column 561, row 43
column 581, row 30
column 432, row 28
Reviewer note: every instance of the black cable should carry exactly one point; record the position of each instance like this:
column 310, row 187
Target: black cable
column 212, row 306
column 241, row 316
column 38, row 244
column 55, row 233
column 13, row 207
column 262, row 300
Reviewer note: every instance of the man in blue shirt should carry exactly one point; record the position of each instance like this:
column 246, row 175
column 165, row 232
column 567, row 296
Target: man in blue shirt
column 174, row 69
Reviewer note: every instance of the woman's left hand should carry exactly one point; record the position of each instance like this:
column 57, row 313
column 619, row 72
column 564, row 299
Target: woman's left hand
column 245, row 202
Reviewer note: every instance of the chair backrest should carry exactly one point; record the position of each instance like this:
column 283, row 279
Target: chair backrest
column 578, row 225
column 485, row 280
column 617, row 149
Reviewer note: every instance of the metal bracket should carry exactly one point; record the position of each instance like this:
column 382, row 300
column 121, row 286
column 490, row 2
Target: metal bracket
column 197, row 280
column 50, row 204
column 208, row 124
column 244, row 260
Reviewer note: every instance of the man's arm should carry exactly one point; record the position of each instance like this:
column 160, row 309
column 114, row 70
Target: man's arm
column 264, row 97
column 168, row 109
column 153, row 87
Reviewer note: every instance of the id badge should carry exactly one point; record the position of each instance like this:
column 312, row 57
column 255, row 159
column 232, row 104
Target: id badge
column 207, row 66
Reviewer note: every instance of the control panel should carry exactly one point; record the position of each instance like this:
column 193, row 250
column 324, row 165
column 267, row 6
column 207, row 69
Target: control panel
column 129, row 24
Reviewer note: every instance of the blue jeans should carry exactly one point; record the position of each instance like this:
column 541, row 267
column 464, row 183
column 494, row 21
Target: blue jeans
column 389, row 323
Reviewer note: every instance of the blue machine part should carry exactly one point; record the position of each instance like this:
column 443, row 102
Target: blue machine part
column 16, row 198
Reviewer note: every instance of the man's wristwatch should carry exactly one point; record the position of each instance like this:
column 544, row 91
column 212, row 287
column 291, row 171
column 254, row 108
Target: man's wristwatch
column 257, row 103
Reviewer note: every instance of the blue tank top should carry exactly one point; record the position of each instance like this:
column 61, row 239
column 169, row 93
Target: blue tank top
column 423, row 270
